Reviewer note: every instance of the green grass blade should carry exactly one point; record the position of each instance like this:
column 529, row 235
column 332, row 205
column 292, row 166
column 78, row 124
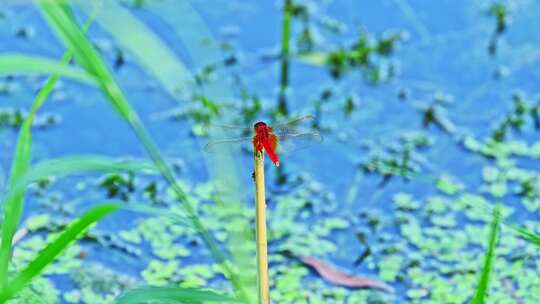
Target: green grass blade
column 528, row 235
column 13, row 64
column 173, row 295
column 58, row 16
column 66, row 27
column 70, row 165
column 145, row 46
column 47, row 255
column 483, row 284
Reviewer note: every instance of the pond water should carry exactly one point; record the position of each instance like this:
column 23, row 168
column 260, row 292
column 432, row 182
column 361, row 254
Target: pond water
column 420, row 143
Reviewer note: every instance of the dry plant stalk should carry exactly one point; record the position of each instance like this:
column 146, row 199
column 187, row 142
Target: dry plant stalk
column 260, row 230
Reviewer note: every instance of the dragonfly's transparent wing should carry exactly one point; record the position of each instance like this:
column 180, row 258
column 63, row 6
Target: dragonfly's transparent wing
column 227, row 131
column 217, row 145
column 230, row 127
column 289, row 137
column 293, row 125
column 291, row 142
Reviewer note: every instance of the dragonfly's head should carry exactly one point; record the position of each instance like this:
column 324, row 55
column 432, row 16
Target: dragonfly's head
column 260, row 125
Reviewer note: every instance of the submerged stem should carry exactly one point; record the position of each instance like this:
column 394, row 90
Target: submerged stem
column 260, row 230
column 284, row 75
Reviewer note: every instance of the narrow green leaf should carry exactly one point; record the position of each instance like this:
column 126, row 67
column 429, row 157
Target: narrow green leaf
column 239, row 254
column 58, row 16
column 47, row 255
column 155, row 211
column 483, row 284
column 527, row 235
column 70, row 165
column 152, row 294
column 145, row 46
column 13, row 64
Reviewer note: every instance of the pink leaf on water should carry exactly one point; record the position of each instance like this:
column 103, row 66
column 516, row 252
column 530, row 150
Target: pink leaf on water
column 337, row 277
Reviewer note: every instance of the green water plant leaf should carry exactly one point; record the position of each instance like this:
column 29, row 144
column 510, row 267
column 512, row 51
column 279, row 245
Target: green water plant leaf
column 314, row 58
column 150, row 294
column 47, row 255
column 449, row 185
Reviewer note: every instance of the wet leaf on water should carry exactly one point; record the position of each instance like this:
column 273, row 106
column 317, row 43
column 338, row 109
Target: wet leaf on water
column 337, row 277
column 404, row 201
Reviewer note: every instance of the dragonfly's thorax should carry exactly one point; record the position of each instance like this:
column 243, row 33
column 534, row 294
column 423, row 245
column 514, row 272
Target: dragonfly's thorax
column 261, row 130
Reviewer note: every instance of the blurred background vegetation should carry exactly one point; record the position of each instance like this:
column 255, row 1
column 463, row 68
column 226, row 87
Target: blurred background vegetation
column 424, row 190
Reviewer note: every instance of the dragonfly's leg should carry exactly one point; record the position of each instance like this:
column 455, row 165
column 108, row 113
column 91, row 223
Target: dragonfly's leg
column 253, row 175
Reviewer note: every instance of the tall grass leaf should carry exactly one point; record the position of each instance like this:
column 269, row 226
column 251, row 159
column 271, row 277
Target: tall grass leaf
column 51, row 251
column 13, row 64
column 150, row 294
column 199, row 54
column 65, row 26
column 483, row 284
column 146, row 47
column 240, row 245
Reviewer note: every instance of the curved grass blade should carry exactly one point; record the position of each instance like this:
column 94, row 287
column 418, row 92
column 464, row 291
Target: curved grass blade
column 528, row 235
column 12, row 64
column 147, row 48
column 70, row 165
column 47, row 255
column 155, row 211
column 173, row 294
column 483, row 284
column 62, row 22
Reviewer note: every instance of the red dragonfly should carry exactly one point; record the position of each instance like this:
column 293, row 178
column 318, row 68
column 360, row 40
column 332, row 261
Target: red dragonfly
column 273, row 140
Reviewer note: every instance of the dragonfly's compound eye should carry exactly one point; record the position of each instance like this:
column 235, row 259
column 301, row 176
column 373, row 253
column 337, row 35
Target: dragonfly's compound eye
column 259, row 124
